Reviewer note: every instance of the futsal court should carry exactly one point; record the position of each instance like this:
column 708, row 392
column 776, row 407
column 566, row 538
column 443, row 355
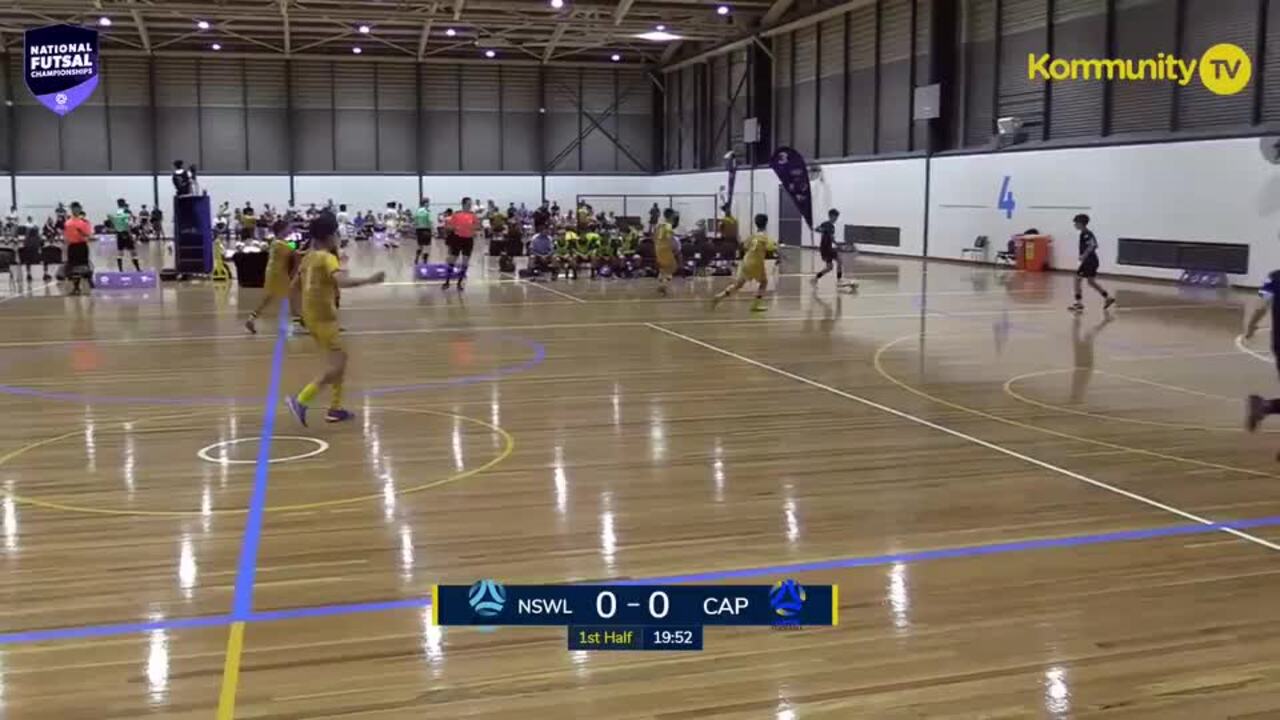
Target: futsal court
column 1029, row 514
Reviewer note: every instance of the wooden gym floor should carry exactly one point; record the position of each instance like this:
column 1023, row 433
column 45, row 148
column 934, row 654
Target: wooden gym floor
column 1019, row 506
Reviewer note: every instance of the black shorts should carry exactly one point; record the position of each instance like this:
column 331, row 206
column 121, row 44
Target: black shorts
column 829, row 255
column 124, row 241
column 1088, row 268
column 424, row 237
column 29, row 255
column 77, row 255
column 460, row 245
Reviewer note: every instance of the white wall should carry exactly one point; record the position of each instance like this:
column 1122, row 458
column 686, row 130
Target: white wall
column 38, row 195
column 447, row 191
column 888, row 193
column 357, row 192
column 235, row 189
column 1212, row 191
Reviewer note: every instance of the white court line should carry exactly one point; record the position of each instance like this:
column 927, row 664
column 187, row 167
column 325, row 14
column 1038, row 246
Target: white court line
column 915, row 315
column 1250, row 351
column 30, row 293
column 549, row 289
column 966, row 437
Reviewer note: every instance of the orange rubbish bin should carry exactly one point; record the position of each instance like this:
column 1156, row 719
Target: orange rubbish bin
column 1033, row 252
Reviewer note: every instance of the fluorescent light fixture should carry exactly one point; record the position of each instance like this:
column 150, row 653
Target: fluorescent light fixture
column 615, row 57
column 216, row 46
column 722, row 10
column 490, row 54
column 356, row 50
column 658, row 36
column 450, row 32
column 104, row 21
column 660, row 28
column 557, row 4
column 202, row 24
column 364, row 29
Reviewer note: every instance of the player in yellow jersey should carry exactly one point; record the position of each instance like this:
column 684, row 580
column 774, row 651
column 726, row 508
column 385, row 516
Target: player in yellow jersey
column 664, row 249
column 319, row 278
column 281, row 265
column 752, row 267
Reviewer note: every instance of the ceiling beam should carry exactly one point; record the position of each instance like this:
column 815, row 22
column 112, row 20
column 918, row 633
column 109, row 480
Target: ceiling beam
column 670, row 52
column 776, row 11
column 422, row 39
column 551, row 44
column 142, row 29
column 457, row 8
column 624, row 6
column 284, row 18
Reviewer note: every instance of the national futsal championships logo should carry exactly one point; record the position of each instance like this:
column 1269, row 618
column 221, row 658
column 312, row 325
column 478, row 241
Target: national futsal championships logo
column 1224, row 69
column 487, row 598
column 787, row 599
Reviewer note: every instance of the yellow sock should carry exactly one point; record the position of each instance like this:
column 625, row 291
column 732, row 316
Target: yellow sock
column 308, row 393
column 336, row 402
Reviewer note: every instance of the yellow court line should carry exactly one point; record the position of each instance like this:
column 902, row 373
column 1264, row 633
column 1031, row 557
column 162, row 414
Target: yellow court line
column 509, row 445
column 878, row 364
column 835, row 605
column 231, row 672
column 1008, row 390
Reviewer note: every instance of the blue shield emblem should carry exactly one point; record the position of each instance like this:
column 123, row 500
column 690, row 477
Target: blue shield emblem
column 60, row 65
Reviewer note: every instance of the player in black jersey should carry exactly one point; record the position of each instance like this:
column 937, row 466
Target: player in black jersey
column 1088, row 269
column 830, row 253
column 1258, row 408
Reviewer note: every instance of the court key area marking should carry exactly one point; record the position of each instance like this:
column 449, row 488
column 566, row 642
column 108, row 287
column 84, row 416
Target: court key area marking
column 203, row 453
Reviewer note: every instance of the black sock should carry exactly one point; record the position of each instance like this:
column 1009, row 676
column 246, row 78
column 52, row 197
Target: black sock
column 820, row 274
column 120, row 264
column 136, row 266
column 1079, row 298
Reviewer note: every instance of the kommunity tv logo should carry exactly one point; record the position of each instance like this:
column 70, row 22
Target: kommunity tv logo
column 1224, row 69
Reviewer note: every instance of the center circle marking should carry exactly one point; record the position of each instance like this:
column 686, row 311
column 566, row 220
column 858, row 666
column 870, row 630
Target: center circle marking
column 203, row 453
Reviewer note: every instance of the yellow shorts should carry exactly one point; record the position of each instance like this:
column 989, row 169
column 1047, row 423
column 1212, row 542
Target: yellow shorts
column 276, row 289
column 752, row 271
column 666, row 266
column 328, row 336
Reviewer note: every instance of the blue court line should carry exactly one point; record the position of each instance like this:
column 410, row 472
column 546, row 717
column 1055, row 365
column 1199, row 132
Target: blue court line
column 964, row 551
column 245, row 573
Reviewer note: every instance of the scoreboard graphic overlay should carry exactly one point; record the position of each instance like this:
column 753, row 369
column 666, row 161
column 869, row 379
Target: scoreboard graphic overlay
column 636, row 617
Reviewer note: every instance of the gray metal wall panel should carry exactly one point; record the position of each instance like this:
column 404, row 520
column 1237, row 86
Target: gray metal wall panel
column 179, row 137
column 268, row 140
column 84, row 139
column 313, row 141
column 440, row 144
column 222, row 140
column 895, row 76
column 718, row 75
column 636, row 132
column 740, row 82
column 1023, row 32
column 355, row 141
column 831, row 102
column 480, row 146
column 130, row 138
column 1079, row 31
column 860, row 108
column 689, row 105
column 37, row 140
column 397, row 150
column 560, row 130
column 599, row 154
column 1209, row 22
column 783, row 130
column 353, row 86
column 1143, row 29
column 520, row 141
column 979, row 71
column 804, row 95
column 266, row 83
column 1271, row 66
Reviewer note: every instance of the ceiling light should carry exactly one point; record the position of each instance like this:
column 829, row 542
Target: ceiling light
column 660, row 28
column 216, row 46
column 490, row 54
column 557, row 4
column 722, row 10
column 615, row 57
column 364, row 29
column 202, row 24
column 450, row 32
column 104, row 21
column 658, row 36
column 356, row 50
